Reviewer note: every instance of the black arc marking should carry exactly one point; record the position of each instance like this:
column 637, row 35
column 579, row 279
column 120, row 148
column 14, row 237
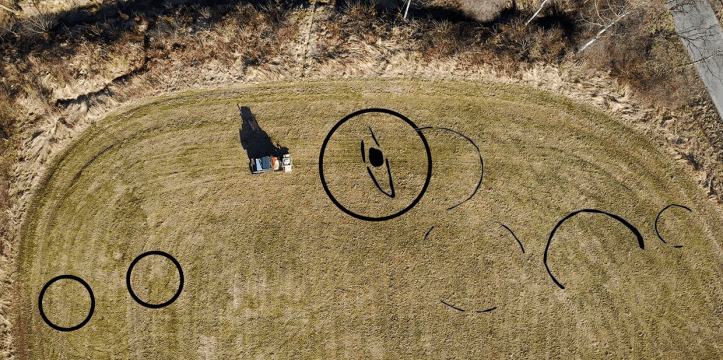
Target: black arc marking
column 513, row 235
column 481, row 161
column 391, row 193
column 326, row 142
column 487, row 310
column 594, row 211
column 658, row 218
column 463, row 310
column 427, row 234
column 45, row 288
column 373, row 137
column 452, row 306
column 376, row 159
column 130, row 289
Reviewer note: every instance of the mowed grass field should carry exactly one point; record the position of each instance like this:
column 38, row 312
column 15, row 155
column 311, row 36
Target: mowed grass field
column 273, row 269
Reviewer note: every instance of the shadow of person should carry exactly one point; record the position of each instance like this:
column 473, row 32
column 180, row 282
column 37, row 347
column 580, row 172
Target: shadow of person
column 254, row 140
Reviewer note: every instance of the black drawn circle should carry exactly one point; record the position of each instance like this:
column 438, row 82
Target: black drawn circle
column 130, row 289
column 363, row 217
column 657, row 218
column 632, row 228
column 479, row 153
column 87, row 318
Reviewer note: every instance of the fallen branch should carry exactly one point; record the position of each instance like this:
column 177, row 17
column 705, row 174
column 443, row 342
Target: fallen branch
column 15, row 12
column 537, row 12
column 604, row 29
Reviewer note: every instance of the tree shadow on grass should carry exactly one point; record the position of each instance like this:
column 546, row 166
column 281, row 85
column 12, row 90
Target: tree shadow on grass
column 255, row 140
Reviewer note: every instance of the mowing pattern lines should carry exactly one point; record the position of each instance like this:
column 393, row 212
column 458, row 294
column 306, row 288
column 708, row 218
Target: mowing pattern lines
column 273, row 269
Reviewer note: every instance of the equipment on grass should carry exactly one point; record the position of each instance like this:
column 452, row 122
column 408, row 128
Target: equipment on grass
column 271, row 164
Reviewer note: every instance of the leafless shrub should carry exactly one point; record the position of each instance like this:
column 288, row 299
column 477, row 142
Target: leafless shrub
column 8, row 30
column 441, row 39
column 204, row 13
column 38, row 26
column 91, row 31
column 113, row 29
column 548, row 45
column 359, row 11
column 643, row 51
column 255, row 33
column 529, row 44
column 276, row 11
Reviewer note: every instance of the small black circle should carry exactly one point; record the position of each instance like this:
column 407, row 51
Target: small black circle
column 321, row 164
column 130, row 289
column 92, row 303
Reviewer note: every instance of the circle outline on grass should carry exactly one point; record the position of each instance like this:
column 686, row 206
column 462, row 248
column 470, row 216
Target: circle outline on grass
column 130, row 289
column 321, row 164
column 633, row 229
column 658, row 218
column 45, row 288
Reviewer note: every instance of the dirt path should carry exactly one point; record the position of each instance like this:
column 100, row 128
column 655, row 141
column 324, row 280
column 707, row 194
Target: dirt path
column 306, row 35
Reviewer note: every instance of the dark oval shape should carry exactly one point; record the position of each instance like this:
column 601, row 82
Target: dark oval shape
column 376, row 158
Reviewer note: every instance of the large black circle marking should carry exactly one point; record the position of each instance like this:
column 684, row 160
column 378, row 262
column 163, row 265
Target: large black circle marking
column 180, row 285
column 363, row 217
column 595, row 211
column 658, row 218
column 92, row 303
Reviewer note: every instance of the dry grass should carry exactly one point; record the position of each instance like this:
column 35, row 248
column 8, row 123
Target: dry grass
column 135, row 54
column 274, row 269
column 8, row 149
column 645, row 53
column 506, row 46
column 97, row 52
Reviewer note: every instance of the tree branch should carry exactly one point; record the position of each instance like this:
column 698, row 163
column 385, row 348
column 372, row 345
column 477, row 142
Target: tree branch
column 15, row 12
column 604, row 29
column 537, row 12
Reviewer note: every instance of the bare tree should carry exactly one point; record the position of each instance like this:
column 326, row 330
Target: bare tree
column 537, row 12
column 610, row 14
